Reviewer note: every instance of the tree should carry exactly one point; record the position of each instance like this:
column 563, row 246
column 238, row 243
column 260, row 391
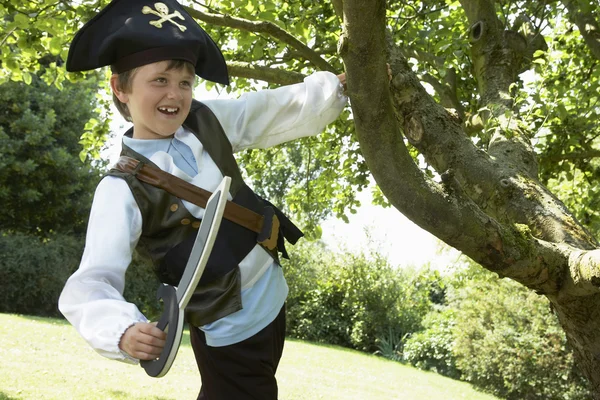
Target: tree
column 44, row 186
column 497, row 163
column 499, row 336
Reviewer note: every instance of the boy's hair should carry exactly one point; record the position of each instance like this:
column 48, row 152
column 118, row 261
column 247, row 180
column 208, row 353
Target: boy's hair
column 125, row 80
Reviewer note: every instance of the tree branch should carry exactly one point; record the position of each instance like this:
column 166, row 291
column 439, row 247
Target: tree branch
column 497, row 54
column 338, row 7
column 502, row 185
column 443, row 210
column 447, row 91
column 583, row 155
column 264, row 27
column 498, row 57
column 584, row 277
column 580, row 15
column 7, row 36
column 271, row 75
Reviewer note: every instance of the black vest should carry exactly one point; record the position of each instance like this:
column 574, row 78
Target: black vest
column 169, row 229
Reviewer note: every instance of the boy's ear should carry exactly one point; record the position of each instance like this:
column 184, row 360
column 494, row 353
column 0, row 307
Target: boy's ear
column 114, row 85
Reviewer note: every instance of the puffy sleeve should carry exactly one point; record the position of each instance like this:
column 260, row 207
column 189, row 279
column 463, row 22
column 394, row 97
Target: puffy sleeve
column 269, row 117
column 92, row 299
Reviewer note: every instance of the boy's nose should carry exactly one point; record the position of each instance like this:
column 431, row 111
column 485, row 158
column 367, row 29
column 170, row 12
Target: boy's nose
column 175, row 94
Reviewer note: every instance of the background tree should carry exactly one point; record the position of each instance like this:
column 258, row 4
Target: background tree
column 499, row 336
column 44, row 185
column 462, row 142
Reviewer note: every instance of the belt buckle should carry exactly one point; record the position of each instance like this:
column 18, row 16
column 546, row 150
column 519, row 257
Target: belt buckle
column 270, row 229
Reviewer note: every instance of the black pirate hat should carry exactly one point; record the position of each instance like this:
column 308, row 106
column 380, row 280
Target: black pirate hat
column 131, row 33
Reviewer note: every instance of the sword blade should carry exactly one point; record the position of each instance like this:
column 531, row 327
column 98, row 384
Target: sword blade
column 207, row 233
column 176, row 299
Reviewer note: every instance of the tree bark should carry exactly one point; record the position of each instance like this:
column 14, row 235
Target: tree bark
column 490, row 204
column 267, row 74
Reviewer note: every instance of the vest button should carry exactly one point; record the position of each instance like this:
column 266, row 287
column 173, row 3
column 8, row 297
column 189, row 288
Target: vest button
column 185, row 221
column 174, row 207
column 196, row 224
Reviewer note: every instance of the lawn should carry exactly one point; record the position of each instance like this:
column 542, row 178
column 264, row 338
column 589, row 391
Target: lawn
column 46, row 359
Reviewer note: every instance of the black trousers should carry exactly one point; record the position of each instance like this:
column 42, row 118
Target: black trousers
column 244, row 370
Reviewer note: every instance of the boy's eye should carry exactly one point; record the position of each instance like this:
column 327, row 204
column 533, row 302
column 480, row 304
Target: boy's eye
column 161, row 80
column 186, row 83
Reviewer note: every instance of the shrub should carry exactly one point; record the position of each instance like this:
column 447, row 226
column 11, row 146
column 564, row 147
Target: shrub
column 508, row 342
column 141, row 285
column 323, row 317
column 391, row 346
column 351, row 300
column 44, row 185
column 33, row 272
column 499, row 336
column 302, row 272
column 383, row 299
column 432, row 348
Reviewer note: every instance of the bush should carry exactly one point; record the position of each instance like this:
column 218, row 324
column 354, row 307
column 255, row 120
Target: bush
column 351, row 300
column 44, row 185
column 301, row 272
column 432, row 348
column 33, row 272
column 314, row 304
column 385, row 300
column 499, row 336
column 508, row 342
column 141, row 285
column 391, row 345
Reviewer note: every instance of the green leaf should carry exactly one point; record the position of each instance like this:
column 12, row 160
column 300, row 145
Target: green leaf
column 90, row 125
column 562, row 111
column 56, row 45
column 27, row 78
column 12, row 65
column 258, row 52
column 267, row 16
column 22, row 21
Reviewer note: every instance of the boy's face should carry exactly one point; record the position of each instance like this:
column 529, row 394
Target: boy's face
column 159, row 100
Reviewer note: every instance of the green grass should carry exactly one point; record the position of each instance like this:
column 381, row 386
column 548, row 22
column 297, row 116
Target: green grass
column 46, row 359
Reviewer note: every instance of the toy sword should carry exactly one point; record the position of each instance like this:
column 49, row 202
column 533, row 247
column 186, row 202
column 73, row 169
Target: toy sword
column 176, row 299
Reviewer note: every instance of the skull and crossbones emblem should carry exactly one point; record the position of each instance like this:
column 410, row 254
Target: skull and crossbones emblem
column 162, row 11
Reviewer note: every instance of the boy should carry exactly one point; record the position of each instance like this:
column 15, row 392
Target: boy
column 237, row 313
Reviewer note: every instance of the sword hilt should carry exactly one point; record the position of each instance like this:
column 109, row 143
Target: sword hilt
column 170, row 321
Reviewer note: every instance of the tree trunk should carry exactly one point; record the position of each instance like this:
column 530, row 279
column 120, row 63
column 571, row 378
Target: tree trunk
column 490, row 204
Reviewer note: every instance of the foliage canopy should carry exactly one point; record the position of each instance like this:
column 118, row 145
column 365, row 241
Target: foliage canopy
column 555, row 96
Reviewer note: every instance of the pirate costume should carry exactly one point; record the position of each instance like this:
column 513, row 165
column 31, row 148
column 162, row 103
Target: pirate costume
column 236, row 316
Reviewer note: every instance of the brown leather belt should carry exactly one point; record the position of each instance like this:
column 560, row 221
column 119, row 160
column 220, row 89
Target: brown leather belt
column 267, row 233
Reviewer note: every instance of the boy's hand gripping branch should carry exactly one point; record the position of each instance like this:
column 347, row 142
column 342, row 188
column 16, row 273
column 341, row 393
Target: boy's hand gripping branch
column 176, row 299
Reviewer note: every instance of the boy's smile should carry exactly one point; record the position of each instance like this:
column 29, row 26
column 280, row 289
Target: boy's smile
column 159, row 100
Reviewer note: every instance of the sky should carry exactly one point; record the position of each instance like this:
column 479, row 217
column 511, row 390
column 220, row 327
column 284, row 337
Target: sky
column 389, row 232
